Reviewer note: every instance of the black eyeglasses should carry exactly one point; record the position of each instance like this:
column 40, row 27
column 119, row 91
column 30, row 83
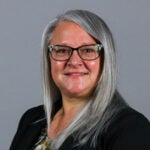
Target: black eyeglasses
column 86, row 52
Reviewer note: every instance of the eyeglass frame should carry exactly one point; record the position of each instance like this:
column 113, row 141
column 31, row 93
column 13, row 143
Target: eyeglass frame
column 100, row 46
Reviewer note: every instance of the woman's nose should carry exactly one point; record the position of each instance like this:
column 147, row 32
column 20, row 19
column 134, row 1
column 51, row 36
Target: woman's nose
column 75, row 59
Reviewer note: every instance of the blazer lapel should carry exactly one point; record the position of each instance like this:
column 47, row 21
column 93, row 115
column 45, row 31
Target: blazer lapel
column 31, row 135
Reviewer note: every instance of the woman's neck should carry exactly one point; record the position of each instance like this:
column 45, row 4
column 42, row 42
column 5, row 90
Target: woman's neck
column 70, row 108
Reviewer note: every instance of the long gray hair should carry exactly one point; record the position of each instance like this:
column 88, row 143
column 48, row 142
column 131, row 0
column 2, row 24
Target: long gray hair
column 99, row 110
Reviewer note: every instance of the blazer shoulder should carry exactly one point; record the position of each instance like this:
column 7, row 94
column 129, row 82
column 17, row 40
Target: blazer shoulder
column 37, row 111
column 130, row 130
column 32, row 115
column 129, row 119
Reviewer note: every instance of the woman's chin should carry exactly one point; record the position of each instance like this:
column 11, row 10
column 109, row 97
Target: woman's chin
column 76, row 93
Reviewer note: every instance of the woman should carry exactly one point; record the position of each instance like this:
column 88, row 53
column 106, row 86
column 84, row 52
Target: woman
column 83, row 109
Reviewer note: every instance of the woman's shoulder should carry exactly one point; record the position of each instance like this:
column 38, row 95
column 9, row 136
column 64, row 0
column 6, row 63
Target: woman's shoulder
column 35, row 111
column 32, row 115
column 128, row 130
column 129, row 116
column 29, row 126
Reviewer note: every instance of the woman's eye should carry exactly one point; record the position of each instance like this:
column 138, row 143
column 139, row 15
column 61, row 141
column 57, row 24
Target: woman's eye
column 88, row 50
column 62, row 51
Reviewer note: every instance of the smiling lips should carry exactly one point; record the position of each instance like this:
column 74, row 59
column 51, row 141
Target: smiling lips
column 76, row 73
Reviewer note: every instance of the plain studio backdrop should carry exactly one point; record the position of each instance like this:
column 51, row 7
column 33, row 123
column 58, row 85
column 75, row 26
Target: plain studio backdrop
column 21, row 26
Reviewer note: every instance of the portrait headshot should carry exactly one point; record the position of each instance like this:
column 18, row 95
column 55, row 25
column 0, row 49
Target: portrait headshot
column 75, row 77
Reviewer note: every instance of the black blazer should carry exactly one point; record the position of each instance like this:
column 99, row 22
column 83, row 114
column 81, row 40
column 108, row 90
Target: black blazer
column 29, row 129
column 129, row 130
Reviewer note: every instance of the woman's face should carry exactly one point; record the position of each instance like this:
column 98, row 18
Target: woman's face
column 74, row 77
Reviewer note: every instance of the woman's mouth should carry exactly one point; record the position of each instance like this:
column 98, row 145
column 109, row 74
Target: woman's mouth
column 76, row 74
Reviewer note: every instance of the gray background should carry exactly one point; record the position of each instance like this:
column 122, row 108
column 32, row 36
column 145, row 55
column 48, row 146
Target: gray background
column 21, row 25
